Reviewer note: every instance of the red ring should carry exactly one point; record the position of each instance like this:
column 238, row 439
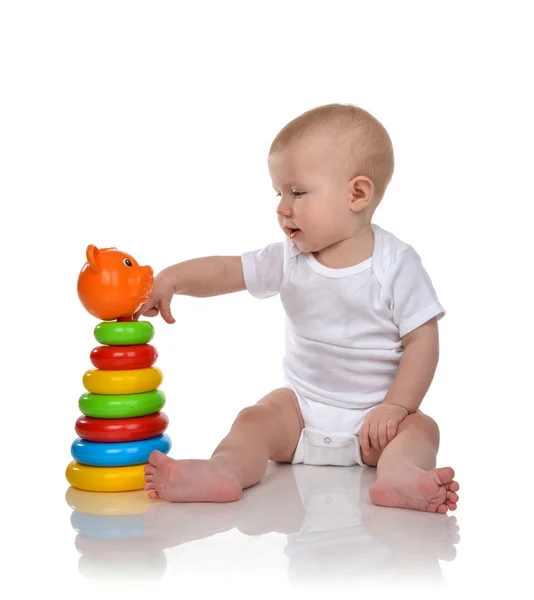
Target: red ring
column 122, row 358
column 121, row 430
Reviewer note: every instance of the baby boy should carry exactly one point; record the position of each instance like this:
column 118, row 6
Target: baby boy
column 361, row 328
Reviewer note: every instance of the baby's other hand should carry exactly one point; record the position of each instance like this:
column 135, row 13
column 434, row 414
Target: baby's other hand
column 380, row 426
column 159, row 302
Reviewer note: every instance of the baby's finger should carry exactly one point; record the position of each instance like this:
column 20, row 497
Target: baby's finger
column 373, row 436
column 392, row 430
column 138, row 313
column 143, row 309
column 382, row 435
column 364, row 438
column 165, row 311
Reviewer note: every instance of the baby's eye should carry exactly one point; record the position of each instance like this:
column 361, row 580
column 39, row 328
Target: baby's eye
column 127, row 262
column 294, row 192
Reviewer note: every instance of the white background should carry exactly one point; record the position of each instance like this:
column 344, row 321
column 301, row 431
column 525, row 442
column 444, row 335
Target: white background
column 146, row 126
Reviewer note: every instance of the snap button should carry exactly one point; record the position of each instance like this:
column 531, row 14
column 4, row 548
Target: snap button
column 327, row 440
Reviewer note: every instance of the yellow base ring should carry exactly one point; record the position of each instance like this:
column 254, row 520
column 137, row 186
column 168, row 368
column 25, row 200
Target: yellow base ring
column 105, row 479
column 131, row 381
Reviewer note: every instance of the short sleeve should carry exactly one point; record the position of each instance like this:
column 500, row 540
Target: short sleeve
column 414, row 299
column 263, row 270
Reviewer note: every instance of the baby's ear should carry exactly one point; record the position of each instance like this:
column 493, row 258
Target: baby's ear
column 92, row 253
column 362, row 191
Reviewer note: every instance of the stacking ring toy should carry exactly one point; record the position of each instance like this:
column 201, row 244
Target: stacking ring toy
column 105, row 479
column 124, row 333
column 121, row 406
column 132, row 381
column 118, row 454
column 123, row 357
column 121, row 430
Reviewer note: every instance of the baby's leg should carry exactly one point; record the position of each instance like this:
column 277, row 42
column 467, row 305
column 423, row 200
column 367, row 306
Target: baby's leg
column 268, row 430
column 407, row 476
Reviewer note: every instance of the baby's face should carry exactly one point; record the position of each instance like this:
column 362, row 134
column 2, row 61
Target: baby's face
column 314, row 194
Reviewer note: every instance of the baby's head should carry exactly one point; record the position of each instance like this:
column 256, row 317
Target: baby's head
column 330, row 167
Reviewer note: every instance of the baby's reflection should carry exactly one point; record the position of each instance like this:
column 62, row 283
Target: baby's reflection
column 333, row 531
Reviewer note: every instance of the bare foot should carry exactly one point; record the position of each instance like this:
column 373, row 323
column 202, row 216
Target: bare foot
column 414, row 488
column 189, row 480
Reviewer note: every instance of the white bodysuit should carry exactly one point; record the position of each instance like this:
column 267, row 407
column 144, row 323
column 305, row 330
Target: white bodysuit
column 344, row 330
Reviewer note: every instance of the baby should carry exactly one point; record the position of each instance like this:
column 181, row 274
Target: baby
column 361, row 328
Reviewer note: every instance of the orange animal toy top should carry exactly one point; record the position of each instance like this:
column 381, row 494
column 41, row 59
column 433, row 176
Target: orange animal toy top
column 112, row 284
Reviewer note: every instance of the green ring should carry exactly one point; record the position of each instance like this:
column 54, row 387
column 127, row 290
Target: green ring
column 124, row 333
column 111, row 406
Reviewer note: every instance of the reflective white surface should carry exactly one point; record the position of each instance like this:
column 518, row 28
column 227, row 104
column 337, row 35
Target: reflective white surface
column 322, row 515
column 303, row 530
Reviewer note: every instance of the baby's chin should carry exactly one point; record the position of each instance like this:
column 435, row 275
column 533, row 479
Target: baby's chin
column 305, row 245
column 297, row 238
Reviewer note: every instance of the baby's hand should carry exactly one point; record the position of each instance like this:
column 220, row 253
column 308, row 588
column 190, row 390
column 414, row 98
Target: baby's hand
column 380, row 426
column 159, row 302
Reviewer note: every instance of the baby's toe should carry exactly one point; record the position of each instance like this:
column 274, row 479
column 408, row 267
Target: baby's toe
column 150, row 469
column 153, row 495
column 452, row 497
column 156, row 457
column 149, row 486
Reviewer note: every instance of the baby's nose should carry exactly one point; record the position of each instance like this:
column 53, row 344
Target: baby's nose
column 283, row 211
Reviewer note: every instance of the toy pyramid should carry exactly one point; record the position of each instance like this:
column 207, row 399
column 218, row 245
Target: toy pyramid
column 122, row 422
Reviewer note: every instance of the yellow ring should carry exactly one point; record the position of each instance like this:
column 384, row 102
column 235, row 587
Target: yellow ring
column 131, row 381
column 105, row 479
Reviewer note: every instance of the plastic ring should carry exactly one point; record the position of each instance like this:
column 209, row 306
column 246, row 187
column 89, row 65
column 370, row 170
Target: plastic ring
column 118, row 454
column 121, row 430
column 109, row 358
column 132, row 381
column 124, row 333
column 105, row 479
column 121, row 406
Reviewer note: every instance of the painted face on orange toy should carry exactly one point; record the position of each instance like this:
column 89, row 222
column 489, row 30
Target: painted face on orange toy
column 112, row 284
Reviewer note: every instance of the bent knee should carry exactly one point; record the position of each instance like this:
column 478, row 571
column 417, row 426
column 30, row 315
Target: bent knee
column 422, row 422
column 267, row 426
column 255, row 413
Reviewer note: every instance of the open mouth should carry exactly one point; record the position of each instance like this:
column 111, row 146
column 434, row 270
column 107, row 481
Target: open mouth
column 292, row 231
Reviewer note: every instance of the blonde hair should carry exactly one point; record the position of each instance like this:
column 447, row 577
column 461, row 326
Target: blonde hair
column 370, row 148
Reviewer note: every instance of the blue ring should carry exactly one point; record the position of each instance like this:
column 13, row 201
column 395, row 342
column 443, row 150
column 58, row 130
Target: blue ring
column 118, row 454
